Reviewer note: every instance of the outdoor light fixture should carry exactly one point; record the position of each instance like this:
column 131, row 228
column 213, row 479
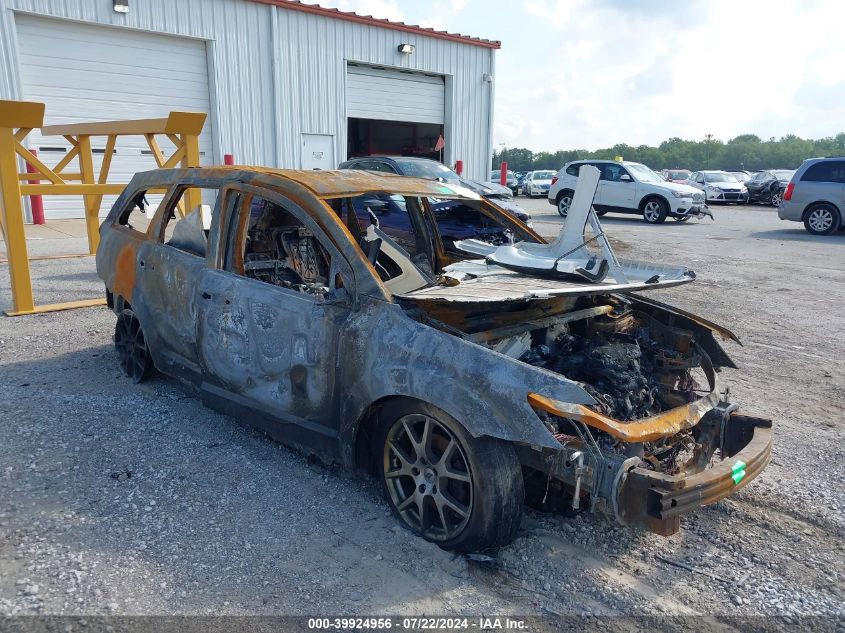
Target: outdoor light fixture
column 121, row 6
column 487, row 77
column 406, row 49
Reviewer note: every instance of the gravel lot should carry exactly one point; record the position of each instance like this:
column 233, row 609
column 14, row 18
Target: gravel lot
column 135, row 499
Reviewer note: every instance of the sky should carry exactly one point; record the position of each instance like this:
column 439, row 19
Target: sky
column 588, row 74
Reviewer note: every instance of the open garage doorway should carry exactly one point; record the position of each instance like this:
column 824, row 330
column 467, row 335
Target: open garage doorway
column 369, row 137
column 393, row 111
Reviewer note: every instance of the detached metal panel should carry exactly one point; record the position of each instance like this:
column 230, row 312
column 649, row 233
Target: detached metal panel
column 394, row 95
column 92, row 73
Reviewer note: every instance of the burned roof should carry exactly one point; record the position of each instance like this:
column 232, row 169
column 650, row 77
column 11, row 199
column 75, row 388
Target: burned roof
column 341, row 183
column 350, row 182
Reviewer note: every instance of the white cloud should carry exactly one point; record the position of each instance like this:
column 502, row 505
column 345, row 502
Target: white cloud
column 639, row 73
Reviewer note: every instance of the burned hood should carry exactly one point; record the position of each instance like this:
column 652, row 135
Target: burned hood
column 482, row 282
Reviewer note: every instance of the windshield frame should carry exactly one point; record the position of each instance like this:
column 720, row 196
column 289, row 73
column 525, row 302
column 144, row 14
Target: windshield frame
column 638, row 170
column 720, row 176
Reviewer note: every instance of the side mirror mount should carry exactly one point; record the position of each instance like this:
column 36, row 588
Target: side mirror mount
column 624, row 178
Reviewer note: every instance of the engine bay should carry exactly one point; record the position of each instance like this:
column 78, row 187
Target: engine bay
column 634, row 362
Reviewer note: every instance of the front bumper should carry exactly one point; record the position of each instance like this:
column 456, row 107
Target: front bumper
column 728, row 196
column 656, row 501
column 696, row 210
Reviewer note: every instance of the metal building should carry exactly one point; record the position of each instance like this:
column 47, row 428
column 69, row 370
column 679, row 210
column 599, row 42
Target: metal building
column 285, row 84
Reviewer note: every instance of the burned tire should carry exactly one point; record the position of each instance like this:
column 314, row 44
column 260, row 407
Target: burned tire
column 460, row 492
column 135, row 359
column 564, row 201
column 655, row 210
column 822, row 219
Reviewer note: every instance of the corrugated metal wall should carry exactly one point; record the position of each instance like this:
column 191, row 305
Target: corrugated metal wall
column 276, row 73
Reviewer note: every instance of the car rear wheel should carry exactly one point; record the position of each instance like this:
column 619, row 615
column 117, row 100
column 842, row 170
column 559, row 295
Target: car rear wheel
column 564, row 201
column 461, row 492
column 655, row 211
column 822, row 219
column 135, row 359
column 776, row 197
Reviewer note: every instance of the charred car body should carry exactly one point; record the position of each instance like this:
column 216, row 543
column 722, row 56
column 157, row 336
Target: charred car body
column 467, row 374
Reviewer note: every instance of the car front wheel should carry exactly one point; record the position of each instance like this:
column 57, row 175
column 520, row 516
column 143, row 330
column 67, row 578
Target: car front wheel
column 822, row 219
column 777, row 196
column 655, row 211
column 564, row 201
column 460, row 492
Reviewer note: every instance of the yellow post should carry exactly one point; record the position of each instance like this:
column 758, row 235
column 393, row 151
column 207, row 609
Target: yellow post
column 23, row 115
column 13, row 231
column 191, row 143
column 92, row 207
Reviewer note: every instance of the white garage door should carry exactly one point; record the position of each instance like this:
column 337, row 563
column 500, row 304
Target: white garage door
column 394, row 95
column 96, row 73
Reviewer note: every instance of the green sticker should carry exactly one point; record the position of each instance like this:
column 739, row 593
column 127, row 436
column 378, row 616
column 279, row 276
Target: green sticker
column 739, row 466
column 738, row 476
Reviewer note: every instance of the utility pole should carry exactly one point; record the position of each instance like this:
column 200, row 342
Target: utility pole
column 707, row 151
column 502, row 153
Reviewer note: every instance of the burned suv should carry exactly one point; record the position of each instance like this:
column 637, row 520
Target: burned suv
column 469, row 375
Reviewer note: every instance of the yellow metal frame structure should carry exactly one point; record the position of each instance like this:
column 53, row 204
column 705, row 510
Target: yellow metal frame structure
column 19, row 118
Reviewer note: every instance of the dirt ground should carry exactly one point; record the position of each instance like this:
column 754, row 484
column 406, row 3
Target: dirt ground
column 118, row 498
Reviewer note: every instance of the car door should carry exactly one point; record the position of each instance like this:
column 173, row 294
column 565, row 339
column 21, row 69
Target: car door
column 271, row 312
column 617, row 192
column 169, row 266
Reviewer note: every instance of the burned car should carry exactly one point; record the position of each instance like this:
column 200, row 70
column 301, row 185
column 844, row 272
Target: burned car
column 469, row 375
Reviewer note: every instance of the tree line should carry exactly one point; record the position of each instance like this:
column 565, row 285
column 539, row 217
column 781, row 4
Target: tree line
column 746, row 151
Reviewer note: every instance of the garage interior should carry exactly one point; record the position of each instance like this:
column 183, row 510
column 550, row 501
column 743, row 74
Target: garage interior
column 369, row 137
column 393, row 112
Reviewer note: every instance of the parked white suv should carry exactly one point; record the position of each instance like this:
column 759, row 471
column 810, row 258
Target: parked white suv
column 626, row 187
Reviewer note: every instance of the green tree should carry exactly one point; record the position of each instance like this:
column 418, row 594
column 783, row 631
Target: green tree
column 746, row 151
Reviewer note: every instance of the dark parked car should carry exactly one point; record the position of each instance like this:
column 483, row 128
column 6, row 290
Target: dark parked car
column 431, row 169
column 768, row 186
column 465, row 387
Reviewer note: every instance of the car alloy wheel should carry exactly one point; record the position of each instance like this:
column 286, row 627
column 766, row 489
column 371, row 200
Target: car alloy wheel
column 776, row 197
column 132, row 350
column 821, row 220
column 563, row 204
column 652, row 211
column 428, row 477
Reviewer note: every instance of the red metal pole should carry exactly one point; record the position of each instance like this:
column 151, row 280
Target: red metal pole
column 503, row 177
column 228, row 159
column 35, row 201
column 459, row 167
